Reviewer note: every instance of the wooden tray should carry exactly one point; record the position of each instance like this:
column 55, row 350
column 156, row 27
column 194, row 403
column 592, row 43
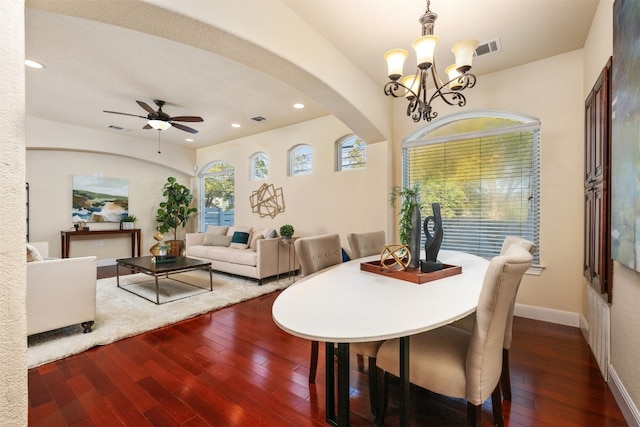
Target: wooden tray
column 414, row 275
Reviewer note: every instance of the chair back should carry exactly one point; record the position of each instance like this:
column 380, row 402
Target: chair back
column 531, row 247
column 365, row 244
column 318, row 252
column 484, row 355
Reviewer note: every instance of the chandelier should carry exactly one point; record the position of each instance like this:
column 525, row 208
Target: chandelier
column 414, row 87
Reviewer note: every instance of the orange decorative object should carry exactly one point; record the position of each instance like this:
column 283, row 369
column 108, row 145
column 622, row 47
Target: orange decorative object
column 395, row 257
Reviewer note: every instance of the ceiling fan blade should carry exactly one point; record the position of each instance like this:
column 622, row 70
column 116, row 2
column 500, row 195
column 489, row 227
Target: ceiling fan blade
column 149, row 110
column 124, row 114
column 147, row 126
column 184, row 128
column 187, row 119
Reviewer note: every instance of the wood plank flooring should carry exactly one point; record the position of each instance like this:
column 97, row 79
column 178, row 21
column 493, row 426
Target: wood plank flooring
column 235, row 367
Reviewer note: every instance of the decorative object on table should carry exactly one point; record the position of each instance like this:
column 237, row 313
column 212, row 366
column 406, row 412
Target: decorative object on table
column 433, row 240
column 158, row 238
column 127, row 222
column 414, row 87
column 164, row 259
column 395, row 257
column 413, row 275
column 410, row 222
column 82, row 225
column 286, row 231
column 163, row 249
column 174, row 212
column 76, row 226
column 267, row 201
column 98, row 199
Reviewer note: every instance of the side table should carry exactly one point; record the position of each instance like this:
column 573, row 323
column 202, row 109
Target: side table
column 291, row 252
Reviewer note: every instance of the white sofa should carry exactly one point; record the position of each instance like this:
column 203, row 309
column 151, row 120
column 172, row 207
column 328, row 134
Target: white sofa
column 259, row 260
column 60, row 292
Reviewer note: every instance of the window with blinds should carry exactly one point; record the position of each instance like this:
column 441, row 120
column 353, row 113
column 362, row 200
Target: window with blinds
column 484, row 172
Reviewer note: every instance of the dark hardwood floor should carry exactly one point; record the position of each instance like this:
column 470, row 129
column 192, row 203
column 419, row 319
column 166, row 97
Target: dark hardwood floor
column 235, row 367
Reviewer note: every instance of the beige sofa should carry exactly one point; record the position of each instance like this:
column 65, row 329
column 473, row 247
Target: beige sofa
column 263, row 256
column 60, row 292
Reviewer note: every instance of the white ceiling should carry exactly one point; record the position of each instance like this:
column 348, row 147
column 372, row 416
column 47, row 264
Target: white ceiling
column 91, row 66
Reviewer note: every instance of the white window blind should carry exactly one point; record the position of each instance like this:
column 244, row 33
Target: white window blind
column 487, row 184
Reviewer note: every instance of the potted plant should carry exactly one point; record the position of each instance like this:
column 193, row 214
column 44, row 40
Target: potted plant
column 127, row 222
column 286, row 231
column 163, row 248
column 410, row 219
column 174, row 212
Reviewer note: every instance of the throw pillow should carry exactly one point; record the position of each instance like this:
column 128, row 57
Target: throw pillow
column 33, row 254
column 216, row 240
column 219, row 230
column 240, row 240
column 270, row 233
column 345, row 257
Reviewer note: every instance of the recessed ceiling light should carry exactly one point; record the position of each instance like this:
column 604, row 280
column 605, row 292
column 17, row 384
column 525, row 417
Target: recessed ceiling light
column 235, row 125
column 298, row 105
column 33, row 64
column 189, row 139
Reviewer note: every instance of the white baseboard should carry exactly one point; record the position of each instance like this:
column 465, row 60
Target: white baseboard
column 628, row 408
column 106, row 262
column 560, row 317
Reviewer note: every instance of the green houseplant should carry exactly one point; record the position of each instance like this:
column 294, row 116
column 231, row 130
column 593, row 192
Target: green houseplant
column 286, row 231
column 175, row 211
column 127, row 222
column 409, row 203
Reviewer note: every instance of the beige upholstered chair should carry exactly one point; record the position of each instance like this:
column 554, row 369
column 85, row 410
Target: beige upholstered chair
column 461, row 364
column 365, row 244
column 362, row 245
column 467, row 322
column 317, row 253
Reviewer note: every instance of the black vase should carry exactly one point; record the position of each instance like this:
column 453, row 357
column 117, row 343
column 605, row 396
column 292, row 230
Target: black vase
column 416, row 232
column 432, row 241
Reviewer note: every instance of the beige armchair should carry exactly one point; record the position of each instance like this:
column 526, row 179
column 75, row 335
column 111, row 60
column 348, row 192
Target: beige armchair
column 461, row 364
column 60, row 292
column 466, row 323
column 365, row 244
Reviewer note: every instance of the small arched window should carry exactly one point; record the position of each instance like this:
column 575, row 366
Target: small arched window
column 351, row 153
column 300, row 160
column 259, row 167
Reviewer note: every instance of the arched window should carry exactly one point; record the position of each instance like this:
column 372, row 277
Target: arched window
column 483, row 168
column 300, row 160
column 351, row 153
column 217, row 195
column 259, row 167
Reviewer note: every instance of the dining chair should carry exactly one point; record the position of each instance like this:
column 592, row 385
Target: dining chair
column 316, row 253
column 362, row 245
column 367, row 243
column 466, row 323
column 457, row 363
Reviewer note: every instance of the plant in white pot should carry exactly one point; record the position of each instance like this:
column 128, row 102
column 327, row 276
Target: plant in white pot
column 128, row 222
column 174, row 212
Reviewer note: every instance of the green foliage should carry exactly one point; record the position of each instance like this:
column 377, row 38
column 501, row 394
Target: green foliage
column 174, row 212
column 219, row 187
column 408, row 204
column 286, row 230
column 129, row 218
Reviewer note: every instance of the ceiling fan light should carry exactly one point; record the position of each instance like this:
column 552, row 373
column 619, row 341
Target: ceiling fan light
column 159, row 124
column 464, row 54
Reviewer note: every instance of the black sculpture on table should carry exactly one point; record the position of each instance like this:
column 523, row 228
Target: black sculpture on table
column 433, row 241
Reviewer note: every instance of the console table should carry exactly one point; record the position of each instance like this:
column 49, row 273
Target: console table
column 67, row 236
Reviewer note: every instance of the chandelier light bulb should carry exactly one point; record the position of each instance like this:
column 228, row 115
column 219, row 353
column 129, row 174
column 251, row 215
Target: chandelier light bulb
column 425, row 47
column 464, row 54
column 395, row 62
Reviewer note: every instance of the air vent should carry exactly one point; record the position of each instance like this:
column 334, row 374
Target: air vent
column 258, row 119
column 114, row 127
column 488, row 48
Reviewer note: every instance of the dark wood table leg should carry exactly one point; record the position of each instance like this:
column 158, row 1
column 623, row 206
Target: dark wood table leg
column 404, row 382
column 330, row 385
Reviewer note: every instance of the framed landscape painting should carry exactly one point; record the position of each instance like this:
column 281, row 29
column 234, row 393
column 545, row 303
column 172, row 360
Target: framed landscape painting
column 99, row 199
column 625, row 135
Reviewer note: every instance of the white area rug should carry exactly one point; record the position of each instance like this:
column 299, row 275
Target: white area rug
column 121, row 314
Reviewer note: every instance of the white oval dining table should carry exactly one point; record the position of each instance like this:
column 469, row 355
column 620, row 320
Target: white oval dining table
column 344, row 304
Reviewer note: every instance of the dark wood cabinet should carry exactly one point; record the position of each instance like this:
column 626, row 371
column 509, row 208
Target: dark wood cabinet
column 597, row 182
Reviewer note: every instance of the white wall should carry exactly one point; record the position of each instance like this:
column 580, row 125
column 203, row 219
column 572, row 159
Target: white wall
column 322, row 202
column 13, row 345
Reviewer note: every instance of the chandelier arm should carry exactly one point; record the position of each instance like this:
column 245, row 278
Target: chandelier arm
column 397, row 90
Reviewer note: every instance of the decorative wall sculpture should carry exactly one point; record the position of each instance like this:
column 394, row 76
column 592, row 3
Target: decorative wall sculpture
column 267, row 201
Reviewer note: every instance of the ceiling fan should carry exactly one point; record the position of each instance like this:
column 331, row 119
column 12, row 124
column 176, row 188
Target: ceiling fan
column 161, row 120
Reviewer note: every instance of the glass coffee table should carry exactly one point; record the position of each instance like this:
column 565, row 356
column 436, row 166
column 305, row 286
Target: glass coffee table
column 148, row 265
